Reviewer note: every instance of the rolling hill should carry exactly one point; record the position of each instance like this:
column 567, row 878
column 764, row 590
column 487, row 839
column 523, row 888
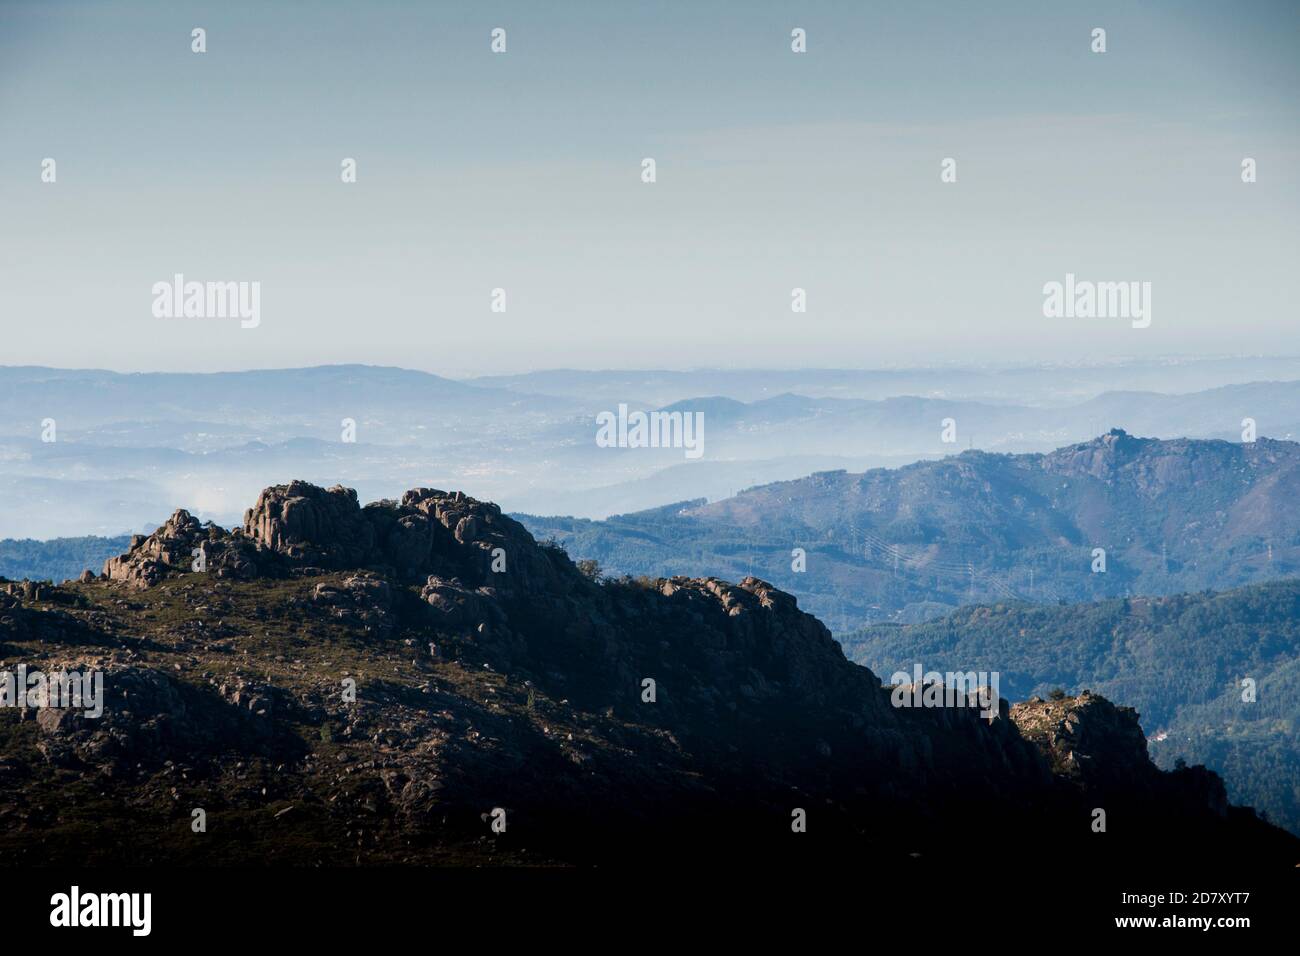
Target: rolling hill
column 909, row 543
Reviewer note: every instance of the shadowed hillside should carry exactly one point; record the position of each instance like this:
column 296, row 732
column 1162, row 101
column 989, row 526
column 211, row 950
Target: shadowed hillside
column 382, row 684
column 1181, row 661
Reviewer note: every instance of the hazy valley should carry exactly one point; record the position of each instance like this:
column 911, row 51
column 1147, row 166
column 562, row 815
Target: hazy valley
column 92, row 452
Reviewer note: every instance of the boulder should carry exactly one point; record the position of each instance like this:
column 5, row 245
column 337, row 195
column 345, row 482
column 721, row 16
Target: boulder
column 313, row 525
column 184, row 545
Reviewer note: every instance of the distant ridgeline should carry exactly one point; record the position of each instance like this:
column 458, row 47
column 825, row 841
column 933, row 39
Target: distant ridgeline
column 1111, row 517
column 58, row 559
column 1213, row 676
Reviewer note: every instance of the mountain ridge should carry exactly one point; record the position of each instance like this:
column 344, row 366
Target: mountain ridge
column 981, row 526
column 132, row 440
column 531, row 697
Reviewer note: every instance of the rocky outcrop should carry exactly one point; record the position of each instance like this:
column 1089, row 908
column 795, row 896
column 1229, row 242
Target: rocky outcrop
column 694, row 694
column 183, row 544
column 735, row 667
column 1099, row 747
column 362, row 598
column 1101, row 458
column 312, row 525
column 149, row 717
column 304, row 527
column 1086, row 737
column 25, row 590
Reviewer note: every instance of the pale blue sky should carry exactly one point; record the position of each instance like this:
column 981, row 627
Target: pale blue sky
column 522, row 171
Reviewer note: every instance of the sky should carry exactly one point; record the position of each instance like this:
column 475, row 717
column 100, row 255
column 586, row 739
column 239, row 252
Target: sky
column 522, row 171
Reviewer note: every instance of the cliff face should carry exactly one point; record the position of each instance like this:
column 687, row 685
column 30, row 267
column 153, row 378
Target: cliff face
column 1100, row 749
column 405, row 668
column 1086, row 738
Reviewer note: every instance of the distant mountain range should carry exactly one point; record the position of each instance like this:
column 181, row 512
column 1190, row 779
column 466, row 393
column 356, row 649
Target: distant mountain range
column 96, row 452
column 911, row 543
column 1180, row 661
column 1114, row 516
column 1016, row 385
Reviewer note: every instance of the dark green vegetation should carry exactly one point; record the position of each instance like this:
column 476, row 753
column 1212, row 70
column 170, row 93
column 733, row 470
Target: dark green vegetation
column 1179, row 660
column 906, row 544
column 58, row 559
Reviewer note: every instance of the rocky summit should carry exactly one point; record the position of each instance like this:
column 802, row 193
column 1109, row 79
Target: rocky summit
column 422, row 682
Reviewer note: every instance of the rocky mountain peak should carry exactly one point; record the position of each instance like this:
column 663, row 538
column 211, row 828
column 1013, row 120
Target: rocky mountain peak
column 1101, row 457
column 310, row 524
column 491, row 671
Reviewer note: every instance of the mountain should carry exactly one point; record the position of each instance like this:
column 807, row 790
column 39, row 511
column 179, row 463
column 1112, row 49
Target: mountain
column 1180, row 661
column 92, row 451
column 419, row 681
column 227, row 407
column 98, row 452
column 912, row 542
column 1013, row 385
